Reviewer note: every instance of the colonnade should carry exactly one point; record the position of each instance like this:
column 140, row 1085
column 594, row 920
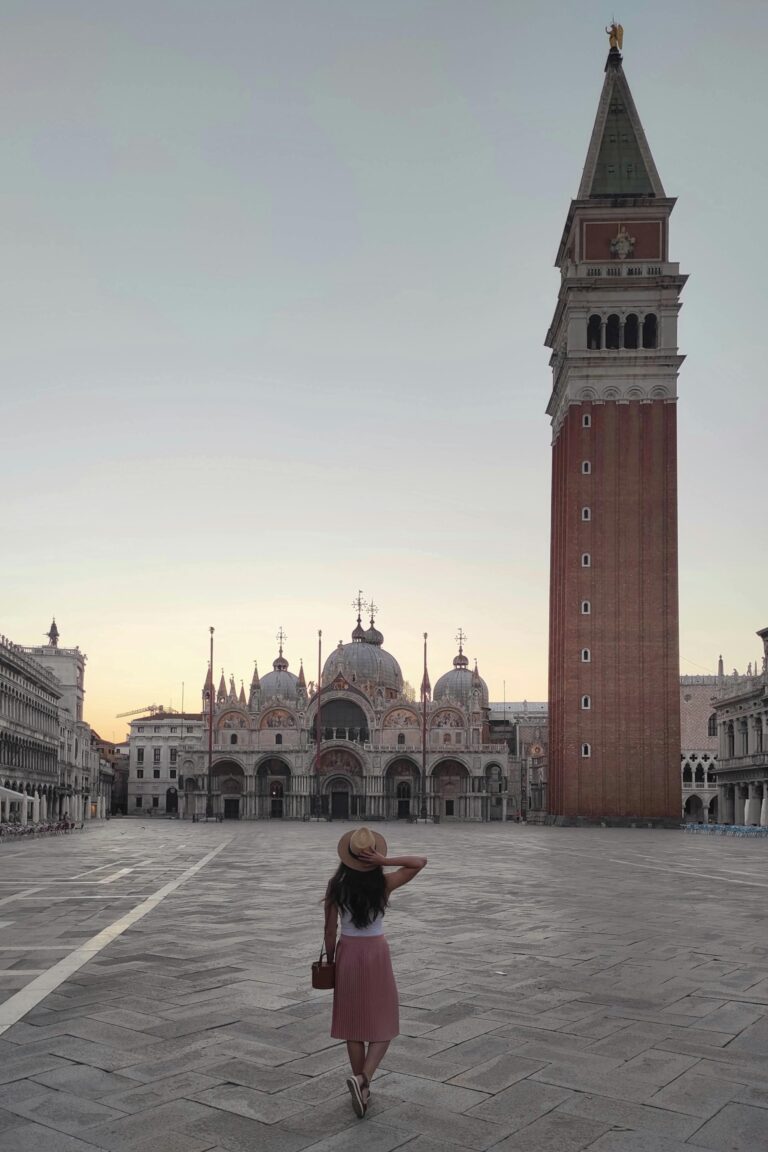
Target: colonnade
column 743, row 804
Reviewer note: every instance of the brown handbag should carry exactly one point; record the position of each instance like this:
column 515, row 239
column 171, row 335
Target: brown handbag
column 324, row 971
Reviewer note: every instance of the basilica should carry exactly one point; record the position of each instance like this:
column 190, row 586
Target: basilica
column 356, row 746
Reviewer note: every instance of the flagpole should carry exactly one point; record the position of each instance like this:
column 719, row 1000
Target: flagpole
column 319, row 723
column 424, row 692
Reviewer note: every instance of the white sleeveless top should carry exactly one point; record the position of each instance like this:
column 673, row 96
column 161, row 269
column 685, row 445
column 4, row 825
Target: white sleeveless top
column 375, row 928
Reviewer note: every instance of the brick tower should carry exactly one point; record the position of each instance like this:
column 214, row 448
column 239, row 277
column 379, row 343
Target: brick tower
column 613, row 659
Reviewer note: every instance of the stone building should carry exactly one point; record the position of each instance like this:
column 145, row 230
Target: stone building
column 524, row 726
column 613, row 662
column 266, row 762
column 47, row 751
column 154, row 767
column 700, row 741
column 742, row 727
column 113, row 773
column 29, row 736
column 78, row 768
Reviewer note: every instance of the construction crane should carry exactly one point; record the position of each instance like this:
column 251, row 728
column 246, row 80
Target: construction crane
column 150, row 708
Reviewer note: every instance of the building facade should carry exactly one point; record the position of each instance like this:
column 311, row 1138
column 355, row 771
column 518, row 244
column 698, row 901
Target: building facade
column 154, row 776
column 78, row 767
column 524, row 727
column 369, row 762
column 742, row 769
column 613, row 661
column 29, row 734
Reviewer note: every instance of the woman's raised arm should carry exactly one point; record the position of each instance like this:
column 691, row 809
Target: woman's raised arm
column 407, row 867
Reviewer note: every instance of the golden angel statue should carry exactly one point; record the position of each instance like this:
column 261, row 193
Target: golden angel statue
column 615, row 34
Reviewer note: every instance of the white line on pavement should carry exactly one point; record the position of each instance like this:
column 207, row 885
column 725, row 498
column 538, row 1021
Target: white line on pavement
column 34, row 947
column 23, row 1001
column 19, row 895
column 115, row 875
column 90, row 871
column 709, row 876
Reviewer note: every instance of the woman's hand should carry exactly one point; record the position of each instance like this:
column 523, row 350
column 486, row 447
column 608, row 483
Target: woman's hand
column 371, row 856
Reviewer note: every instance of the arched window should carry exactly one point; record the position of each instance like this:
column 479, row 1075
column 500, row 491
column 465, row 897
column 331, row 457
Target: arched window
column 233, row 738
column 586, row 467
column 594, row 324
column 586, row 560
column 586, row 420
column 729, row 740
column 586, row 608
column 586, row 703
column 631, row 331
column 699, row 774
column 586, row 513
column 687, row 777
column 744, row 742
column 586, row 750
column 278, row 738
column 712, row 725
column 650, row 331
column 612, row 330
column 401, row 738
column 586, row 656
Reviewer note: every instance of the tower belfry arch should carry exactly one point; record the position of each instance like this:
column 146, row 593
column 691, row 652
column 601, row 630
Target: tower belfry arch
column 615, row 363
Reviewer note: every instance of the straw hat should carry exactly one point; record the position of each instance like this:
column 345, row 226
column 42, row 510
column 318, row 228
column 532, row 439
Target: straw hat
column 360, row 840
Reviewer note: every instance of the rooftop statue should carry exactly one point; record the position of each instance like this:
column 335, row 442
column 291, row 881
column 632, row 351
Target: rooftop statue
column 615, row 34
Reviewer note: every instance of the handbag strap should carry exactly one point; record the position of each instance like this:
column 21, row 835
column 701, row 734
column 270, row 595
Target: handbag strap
column 323, row 948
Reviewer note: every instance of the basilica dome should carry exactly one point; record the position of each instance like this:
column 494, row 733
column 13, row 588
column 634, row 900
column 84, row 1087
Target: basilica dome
column 364, row 661
column 459, row 684
column 279, row 682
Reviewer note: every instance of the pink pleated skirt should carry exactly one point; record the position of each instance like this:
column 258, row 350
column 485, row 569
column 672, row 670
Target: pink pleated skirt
column 365, row 1003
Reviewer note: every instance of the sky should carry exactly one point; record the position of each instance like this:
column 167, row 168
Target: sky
column 277, row 278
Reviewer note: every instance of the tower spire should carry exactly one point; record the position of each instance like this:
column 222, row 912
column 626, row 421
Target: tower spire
column 619, row 161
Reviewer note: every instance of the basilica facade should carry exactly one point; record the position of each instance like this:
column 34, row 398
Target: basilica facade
column 372, row 753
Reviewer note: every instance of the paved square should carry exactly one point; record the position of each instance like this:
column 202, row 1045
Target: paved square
column 560, row 990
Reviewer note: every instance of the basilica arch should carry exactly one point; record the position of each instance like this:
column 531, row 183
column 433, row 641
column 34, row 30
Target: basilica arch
column 341, row 782
column 402, row 787
column 345, row 715
column 228, row 789
column 273, row 788
column 449, row 788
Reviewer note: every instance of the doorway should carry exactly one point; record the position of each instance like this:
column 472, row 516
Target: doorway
column 340, row 804
column 171, row 802
column 403, row 800
column 231, row 808
column 276, row 793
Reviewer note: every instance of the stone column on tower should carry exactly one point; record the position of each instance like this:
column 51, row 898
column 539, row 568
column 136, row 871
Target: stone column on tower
column 613, row 590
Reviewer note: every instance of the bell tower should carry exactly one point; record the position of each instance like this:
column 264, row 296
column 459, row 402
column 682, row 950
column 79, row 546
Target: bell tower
column 613, row 658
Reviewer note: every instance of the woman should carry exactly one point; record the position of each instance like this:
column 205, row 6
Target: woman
column 365, row 1007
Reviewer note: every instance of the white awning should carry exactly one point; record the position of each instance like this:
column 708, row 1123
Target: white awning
column 9, row 794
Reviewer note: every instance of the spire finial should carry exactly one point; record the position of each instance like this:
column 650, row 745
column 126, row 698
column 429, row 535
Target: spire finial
column 359, row 604
column 615, row 34
column 281, row 638
column 461, row 637
column 358, row 633
column 372, row 610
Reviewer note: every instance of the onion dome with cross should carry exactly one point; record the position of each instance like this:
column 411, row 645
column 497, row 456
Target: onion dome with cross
column 460, row 682
column 364, row 661
column 279, row 682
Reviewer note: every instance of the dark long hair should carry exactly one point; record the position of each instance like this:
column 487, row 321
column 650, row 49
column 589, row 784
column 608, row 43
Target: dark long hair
column 362, row 894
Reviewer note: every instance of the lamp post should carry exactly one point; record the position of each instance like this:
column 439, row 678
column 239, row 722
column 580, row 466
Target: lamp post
column 209, row 796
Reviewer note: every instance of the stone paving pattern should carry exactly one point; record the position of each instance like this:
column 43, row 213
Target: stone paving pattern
column 560, row 990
